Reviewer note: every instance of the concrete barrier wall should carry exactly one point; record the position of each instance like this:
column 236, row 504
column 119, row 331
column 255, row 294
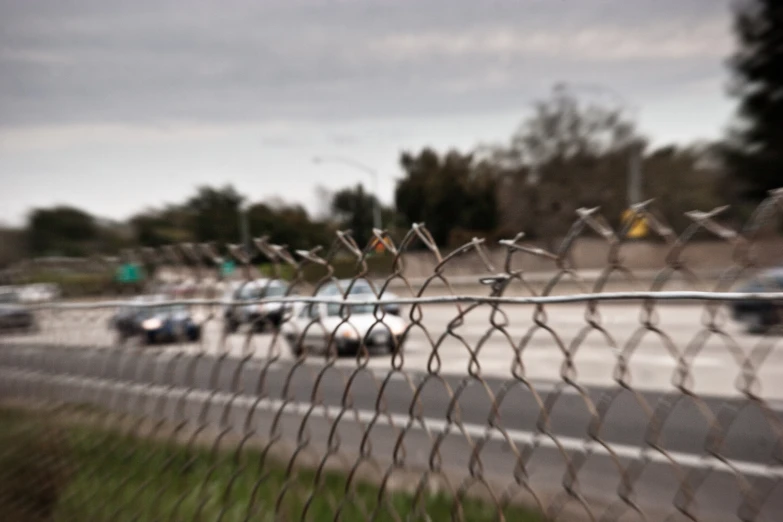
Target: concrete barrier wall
column 591, row 254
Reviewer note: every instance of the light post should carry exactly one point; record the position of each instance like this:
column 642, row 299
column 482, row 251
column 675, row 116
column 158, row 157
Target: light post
column 364, row 168
column 244, row 227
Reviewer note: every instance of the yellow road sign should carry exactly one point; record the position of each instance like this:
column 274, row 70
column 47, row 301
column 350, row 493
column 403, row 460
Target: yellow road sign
column 638, row 228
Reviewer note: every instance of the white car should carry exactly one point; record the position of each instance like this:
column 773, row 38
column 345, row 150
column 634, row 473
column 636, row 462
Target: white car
column 361, row 287
column 38, row 292
column 313, row 326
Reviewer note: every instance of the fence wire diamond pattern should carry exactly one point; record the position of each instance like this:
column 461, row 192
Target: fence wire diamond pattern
column 287, row 396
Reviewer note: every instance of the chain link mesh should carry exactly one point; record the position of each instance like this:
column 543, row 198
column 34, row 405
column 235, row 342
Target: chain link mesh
column 614, row 398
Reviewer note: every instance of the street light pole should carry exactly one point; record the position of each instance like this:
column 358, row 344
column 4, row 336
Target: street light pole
column 244, row 228
column 635, row 176
column 364, row 168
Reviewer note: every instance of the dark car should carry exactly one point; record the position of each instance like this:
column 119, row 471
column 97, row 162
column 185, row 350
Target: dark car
column 758, row 315
column 360, row 287
column 13, row 315
column 156, row 323
column 259, row 315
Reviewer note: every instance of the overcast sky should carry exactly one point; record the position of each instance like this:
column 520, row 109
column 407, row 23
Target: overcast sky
column 115, row 106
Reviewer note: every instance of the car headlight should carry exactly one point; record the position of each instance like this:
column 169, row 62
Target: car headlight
column 347, row 333
column 398, row 331
column 152, row 324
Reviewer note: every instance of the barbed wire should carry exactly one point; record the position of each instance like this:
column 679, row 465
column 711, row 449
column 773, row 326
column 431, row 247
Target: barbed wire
column 251, row 397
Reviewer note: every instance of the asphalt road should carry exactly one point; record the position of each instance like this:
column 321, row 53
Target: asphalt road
column 224, row 379
column 719, row 358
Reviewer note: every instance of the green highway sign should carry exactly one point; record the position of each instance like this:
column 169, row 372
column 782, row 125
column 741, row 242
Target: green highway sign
column 227, row 267
column 129, row 273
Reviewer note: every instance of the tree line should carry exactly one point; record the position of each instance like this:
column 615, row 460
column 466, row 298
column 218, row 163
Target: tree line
column 567, row 154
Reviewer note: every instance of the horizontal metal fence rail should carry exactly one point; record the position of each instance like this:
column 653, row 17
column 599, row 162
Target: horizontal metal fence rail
column 311, row 403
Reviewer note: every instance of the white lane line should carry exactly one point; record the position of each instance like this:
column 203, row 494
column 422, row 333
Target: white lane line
column 495, row 369
column 606, row 356
column 498, row 368
column 429, row 425
column 438, row 426
column 609, row 357
column 541, row 385
column 416, row 376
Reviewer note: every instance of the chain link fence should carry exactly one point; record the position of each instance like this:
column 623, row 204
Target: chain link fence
column 295, row 394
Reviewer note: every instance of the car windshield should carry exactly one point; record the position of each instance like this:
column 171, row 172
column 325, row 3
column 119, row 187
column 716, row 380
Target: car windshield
column 166, row 310
column 334, row 309
column 359, row 287
column 259, row 291
column 275, row 291
column 330, row 289
column 764, row 282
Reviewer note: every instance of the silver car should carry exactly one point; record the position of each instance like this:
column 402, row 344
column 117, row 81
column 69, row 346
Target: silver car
column 258, row 315
column 13, row 314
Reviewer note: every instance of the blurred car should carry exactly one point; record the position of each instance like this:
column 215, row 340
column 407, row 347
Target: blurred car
column 186, row 289
column 312, row 326
column 258, row 315
column 757, row 315
column 14, row 315
column 361, row 287
column 156, row 323
column 39, row 292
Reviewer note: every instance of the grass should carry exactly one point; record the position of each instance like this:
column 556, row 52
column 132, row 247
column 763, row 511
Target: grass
column 50, row 471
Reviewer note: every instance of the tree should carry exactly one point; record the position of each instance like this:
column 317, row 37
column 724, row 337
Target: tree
column 563, row 128
column 215, row 214
column 12, row 246
column 754, row 152
column 154, row 228
column 62, row 231
column 451, row 195
column 567, row 155
column 681, row 179
column 353, row 209
column 287, row 224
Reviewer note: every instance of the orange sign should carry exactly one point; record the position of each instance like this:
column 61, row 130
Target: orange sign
column 378, row 246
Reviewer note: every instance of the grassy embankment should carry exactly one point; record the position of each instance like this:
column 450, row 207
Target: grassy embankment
column 56, row 471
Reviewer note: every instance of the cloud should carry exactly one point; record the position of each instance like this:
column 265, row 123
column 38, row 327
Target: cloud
column 91, row 62
column 57, row 137
column 599, row 44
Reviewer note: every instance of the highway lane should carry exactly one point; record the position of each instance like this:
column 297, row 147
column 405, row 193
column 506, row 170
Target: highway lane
column 563, row 411
column 318, row 432
column 718, row 357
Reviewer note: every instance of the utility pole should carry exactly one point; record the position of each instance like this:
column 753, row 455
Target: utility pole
column 244, row 229
column 638, row 228
column 635, row 176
